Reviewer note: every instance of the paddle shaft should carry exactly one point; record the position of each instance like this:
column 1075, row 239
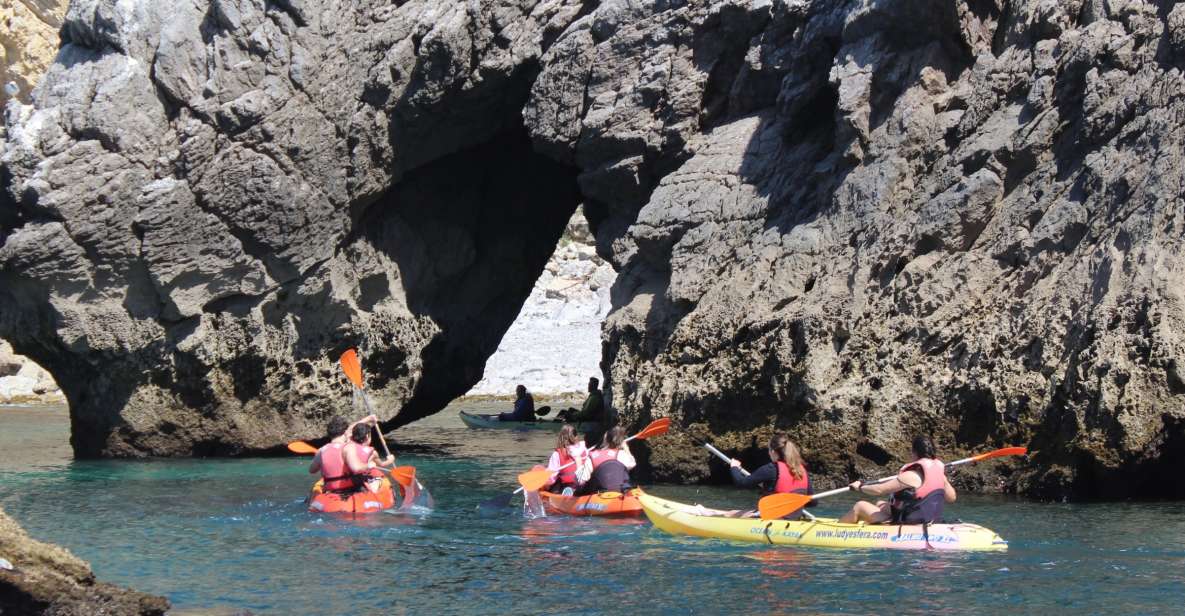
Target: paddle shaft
column 720, row 454
column 882, row 480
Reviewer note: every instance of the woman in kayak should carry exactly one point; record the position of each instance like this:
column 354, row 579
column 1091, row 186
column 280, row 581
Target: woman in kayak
column 570, row 461
column 362, row 461
column 785, row 474
column 917, row 493
column 611, row 464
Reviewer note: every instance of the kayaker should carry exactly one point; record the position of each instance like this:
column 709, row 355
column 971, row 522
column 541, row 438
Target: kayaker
column 328, row 460
column 593, row 409
column 611, row 464
column 362, row 461
column 786, row 473
column 524, row 406
column 570, row 461
column 918, row 492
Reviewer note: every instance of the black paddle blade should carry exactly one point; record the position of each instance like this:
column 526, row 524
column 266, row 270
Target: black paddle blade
column 496, row 506
column 543, row 410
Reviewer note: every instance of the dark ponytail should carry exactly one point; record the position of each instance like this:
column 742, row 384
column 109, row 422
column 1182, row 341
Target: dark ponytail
column 923, row 447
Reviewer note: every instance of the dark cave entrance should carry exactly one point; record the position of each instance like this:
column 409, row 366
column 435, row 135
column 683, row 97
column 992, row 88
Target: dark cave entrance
column 470, row 234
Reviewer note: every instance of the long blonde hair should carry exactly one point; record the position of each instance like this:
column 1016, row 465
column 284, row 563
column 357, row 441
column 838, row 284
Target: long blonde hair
column 567, row 436
column 788, row 452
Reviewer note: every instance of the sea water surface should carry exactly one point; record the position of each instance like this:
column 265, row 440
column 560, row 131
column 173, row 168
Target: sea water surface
column 227, row 536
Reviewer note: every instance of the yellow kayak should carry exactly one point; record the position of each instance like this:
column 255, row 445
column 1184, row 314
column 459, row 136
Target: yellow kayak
column 679, row 519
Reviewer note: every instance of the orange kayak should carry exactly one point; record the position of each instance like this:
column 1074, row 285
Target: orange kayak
column 355, row 503
column 603, row 503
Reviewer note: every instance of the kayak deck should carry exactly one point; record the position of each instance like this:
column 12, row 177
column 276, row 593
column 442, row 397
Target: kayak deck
column 614, row 504
column 680, row 519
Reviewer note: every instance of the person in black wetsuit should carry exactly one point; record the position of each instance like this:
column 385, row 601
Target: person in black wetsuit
column 786, row 473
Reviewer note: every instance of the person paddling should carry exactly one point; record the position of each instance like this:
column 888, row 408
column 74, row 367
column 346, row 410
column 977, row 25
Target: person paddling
column 362, row 461
column 329, row 462
column 524, row 406
column 785, row 474
column 918, row 492
column 611, row 464
column 570, row 461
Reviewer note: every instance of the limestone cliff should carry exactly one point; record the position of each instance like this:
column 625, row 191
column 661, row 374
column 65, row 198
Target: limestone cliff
column 852, row 219
column 28, row 43
column 208, row 201
column 860, row 220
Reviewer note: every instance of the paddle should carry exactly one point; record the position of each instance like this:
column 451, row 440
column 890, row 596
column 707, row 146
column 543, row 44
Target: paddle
column 534, row 479
column 777, row 506
column 302, row 448
column 353, row 369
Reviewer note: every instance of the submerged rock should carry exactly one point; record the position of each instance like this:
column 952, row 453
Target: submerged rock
column 43, row 578
column 850, row 220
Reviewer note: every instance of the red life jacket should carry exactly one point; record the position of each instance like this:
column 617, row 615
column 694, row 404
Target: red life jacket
column 601, row 456
column 787, row 483
column 362, row 452
column 333, row 469
column 921, row 505
column 567, row 474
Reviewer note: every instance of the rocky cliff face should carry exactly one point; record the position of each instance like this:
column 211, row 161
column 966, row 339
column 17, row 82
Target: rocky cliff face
column 860, row 220
column 851, row 220
column 209, row 201
column 28, row 43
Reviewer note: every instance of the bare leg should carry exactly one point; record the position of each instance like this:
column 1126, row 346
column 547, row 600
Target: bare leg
column 866, row 512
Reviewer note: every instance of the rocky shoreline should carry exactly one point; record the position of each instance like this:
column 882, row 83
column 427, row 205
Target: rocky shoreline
column 41, row 578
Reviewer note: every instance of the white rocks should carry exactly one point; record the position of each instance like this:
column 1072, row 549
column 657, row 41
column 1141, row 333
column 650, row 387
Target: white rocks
column 24, row 382
column 555, row 344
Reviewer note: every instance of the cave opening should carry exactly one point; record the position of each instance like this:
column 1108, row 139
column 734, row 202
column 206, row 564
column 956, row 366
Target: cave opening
column 554, row 344
column 23, row 381
column 468, row 238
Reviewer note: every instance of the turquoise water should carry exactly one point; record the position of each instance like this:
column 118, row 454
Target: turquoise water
column 234, row 535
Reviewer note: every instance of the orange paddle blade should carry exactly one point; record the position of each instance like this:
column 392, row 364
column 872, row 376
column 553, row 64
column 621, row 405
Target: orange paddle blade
column 404, row 475
column 1000, row 453
column 656, row 428
column 352, row 367
column 302, row 448
column 534, row 479
column 777, row 506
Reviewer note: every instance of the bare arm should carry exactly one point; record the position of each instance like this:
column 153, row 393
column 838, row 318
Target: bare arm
column 908, row 479
column 315, row 467
column 626, row 457
column 355, row 464
column 949, row 493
